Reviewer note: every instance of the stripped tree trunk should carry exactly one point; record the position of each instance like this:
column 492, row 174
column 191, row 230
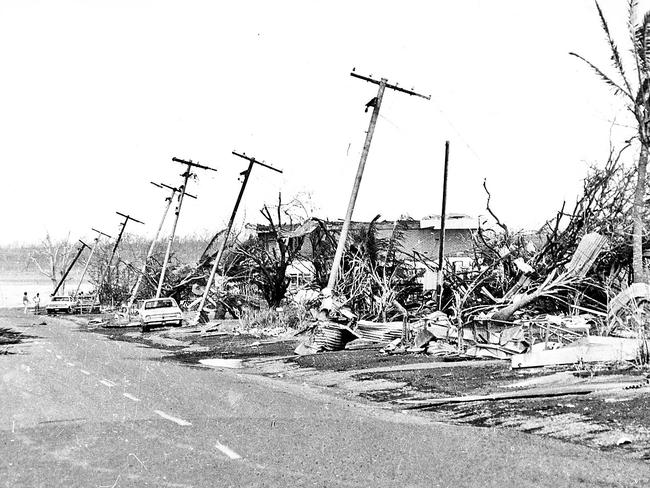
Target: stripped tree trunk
column 638, row 269
column 518, row 303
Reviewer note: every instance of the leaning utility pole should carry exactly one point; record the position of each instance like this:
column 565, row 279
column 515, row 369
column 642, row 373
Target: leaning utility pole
column 443, row 216
column 246, row 173
column 169, row 199
column 186, row 176
column 117, row 243
column 67, row 271
column 92, row 251
column 376, row 104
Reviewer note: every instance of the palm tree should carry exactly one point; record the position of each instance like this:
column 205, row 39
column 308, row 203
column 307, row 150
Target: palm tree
column 637, row 100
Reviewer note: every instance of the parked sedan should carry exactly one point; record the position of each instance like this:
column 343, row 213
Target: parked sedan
column 160, row 311
column 61, row 304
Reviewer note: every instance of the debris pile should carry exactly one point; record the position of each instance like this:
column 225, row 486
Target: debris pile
column 553, row 320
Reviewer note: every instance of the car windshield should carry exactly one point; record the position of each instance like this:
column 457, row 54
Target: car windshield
column 164, row 303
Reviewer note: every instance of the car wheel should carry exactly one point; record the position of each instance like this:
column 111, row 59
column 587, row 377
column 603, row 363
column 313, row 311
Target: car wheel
column 145, row 328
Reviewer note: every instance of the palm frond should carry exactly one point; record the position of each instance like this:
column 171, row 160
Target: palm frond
column 617, row 61
column 618, row 90
column 642, row 43
column 632, row 7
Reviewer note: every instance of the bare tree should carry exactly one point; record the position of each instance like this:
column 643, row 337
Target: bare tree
column 52, row 258
column 269, row 258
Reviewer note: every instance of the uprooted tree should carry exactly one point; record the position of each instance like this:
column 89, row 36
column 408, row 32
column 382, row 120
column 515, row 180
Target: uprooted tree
column 267, row 258
column 517, row 269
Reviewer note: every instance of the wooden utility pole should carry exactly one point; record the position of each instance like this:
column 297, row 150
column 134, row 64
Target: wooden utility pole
column 119, row 237
column 67, row 271
column 117, row 243
column 443, row 216
column 186, row 176
column 92, row 251
column 168, row 201
column 246, row 173
column 376, row 104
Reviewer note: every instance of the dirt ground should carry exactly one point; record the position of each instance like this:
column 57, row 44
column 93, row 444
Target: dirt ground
column 607, row 420
column 610, row 419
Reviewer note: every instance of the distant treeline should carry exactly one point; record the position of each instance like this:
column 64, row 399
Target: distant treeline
column 18, row 258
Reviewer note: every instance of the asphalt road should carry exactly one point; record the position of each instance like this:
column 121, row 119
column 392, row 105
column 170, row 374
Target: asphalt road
column 80, row 410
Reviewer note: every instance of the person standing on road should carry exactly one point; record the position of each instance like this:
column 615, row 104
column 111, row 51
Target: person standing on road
column 25, row 302
column 37, row 303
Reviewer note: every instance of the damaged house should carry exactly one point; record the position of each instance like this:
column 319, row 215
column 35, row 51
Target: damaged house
column 418, row 242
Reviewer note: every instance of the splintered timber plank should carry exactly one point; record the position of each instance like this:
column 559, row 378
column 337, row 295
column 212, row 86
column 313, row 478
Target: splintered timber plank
column 586, row 350
column 586, row 254
column 530, row 393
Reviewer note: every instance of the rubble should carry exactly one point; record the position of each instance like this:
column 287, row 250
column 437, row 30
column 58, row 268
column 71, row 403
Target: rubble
column 529, row 325
column 586, row 350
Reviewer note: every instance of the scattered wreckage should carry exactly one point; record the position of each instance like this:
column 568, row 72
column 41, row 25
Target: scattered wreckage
column 515, row 328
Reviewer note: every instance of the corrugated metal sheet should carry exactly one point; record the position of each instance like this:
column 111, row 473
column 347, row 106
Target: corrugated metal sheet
column 332, row 336
column 379, row 331
column 329, row 338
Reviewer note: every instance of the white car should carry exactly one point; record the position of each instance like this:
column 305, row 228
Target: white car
column 61, row 304
column 160, row 311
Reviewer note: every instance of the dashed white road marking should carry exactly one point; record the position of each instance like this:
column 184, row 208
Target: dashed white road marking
column 58, row 357
column 48, row 350
column 85, row 372
column 69, row 364
column 131, row 397
column 176, row 420
column 110, row 384
column 227, row 451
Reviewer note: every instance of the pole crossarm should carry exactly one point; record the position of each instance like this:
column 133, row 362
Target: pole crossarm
column 388, row 85
column 190, row 163
column 174, row 189
column 100, row 232
column 128, row 217
column 255, row 161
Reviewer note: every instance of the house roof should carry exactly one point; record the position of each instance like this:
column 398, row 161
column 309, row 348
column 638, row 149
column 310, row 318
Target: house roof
column 452, row 221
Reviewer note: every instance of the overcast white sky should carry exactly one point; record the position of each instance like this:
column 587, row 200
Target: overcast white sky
column 97, row 97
